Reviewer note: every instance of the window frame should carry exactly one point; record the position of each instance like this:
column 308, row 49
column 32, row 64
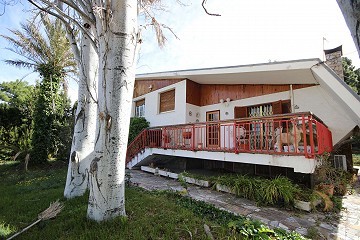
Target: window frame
column 172, row 104
column 139, row 109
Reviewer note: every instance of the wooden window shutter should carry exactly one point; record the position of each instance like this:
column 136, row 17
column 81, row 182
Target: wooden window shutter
column 240, row 112
column 277, row 107
column 140, row 102
column 286, row 106
column 167, row 101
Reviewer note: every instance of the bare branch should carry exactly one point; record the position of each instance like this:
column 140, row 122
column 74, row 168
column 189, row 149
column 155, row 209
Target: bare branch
column 62, row 16
column 211, row 14
column 79, row 11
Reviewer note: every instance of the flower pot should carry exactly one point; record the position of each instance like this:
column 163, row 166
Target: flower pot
column 305, row 205
column 166, row 138
column 244, row 146
column 198, row 182
column 148, row 169
column 223, row 188
column 168, row 174
column 186, row 135
column 328, row 189
column 302, row 205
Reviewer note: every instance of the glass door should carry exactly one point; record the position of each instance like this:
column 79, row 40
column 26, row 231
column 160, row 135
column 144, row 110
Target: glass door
column 213, row 130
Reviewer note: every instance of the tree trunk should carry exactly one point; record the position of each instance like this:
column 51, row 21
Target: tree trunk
column 351, row 12
column 117, row 34
column 82, row 150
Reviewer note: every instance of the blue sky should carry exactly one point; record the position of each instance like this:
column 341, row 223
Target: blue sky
column 248, row 32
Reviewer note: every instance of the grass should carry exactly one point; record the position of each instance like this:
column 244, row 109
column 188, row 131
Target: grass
column 150, row 215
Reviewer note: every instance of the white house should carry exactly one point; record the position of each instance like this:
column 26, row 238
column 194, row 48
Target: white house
column 273, row 117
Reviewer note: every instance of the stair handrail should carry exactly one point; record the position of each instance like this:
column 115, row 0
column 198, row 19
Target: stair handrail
column 138, row 144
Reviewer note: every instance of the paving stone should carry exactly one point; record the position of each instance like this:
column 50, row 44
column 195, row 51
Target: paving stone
column 345, row 227
column 301, row 230
column 282, row 226
column 259, row 218
column 327, row 226
column 274, row 224
column 311, row 220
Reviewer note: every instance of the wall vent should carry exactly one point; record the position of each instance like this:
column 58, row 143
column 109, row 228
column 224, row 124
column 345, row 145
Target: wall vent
column 340, row 162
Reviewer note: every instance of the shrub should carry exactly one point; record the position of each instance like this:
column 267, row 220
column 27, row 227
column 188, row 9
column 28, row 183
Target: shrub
column 137, row 124
column 264, row 191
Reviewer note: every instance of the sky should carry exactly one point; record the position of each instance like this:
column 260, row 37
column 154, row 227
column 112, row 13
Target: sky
column 247, row 32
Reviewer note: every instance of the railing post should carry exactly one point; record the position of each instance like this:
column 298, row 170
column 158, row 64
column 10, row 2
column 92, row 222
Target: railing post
column 193, row 138
column 304, row 135
column 311, row 132
column 235, row 142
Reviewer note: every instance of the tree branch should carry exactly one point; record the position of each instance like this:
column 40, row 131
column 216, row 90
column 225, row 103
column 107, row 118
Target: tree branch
column 211, row 14
column 79, row 11
column 62, row 16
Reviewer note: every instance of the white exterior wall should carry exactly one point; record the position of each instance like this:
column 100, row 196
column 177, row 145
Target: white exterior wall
column 319, row 102
column 152, row 100
column 314, row 99
column 298, row 163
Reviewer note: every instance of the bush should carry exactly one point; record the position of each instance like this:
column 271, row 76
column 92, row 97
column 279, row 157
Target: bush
column 264, row 191
column 137, row 124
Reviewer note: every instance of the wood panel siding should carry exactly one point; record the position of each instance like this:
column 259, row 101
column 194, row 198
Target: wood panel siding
column 193, row 93
column 212, row 93
column 141, row 87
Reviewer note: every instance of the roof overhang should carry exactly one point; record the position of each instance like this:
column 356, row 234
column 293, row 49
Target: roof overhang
column 288, row 72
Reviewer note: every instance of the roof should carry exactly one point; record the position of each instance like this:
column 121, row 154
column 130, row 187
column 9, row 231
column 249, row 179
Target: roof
column 287, row 72
column 304, row 71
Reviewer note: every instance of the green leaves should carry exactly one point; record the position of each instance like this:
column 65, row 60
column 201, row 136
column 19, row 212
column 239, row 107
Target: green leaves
column 264, row 191
column 137, row 124
column 351, row 75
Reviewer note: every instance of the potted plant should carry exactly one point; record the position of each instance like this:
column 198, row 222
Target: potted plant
column 306, row 200
column 326, row 176
column 166, row 138
column 186, row 135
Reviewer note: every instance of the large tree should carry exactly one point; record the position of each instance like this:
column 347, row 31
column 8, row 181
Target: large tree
column 16, row 108
column 351, row 12
column 48, row 54
column 111, row 28
column 351, row 75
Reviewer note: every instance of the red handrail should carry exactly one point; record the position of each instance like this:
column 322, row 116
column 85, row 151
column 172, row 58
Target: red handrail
column 288, row 134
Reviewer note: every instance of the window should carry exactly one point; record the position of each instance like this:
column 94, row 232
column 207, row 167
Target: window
column 140, row 108
column 268, row 109
column 167, row 101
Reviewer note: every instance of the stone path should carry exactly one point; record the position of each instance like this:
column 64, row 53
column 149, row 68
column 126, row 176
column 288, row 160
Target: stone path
column 343, row 226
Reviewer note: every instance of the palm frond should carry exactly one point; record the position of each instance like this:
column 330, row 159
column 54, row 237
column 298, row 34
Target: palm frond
column 40, row 49
column 20, row 64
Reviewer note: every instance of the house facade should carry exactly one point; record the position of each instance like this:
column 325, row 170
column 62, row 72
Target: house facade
column 262, row 117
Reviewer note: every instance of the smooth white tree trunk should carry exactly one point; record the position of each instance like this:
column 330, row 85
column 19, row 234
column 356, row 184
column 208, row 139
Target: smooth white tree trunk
column 82, row 150
column 351, row 12
column 117, row 35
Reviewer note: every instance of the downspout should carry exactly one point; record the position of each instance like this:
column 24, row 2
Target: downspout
column 292, row 99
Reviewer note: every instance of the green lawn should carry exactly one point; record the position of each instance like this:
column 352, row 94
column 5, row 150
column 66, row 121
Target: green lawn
column 150, row 215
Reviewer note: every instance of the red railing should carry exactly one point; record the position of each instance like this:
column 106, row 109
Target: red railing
column 286, row 134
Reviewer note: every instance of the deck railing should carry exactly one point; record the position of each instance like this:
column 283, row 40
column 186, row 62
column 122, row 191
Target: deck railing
column 286, row 134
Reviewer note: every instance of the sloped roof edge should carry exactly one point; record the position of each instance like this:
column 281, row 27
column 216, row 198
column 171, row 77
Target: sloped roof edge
column 197, row 71
column 342, row 82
